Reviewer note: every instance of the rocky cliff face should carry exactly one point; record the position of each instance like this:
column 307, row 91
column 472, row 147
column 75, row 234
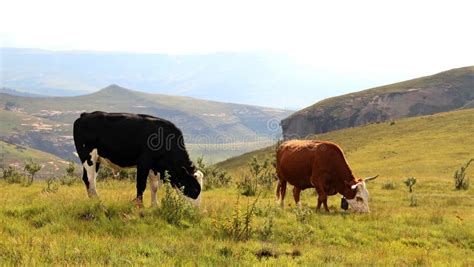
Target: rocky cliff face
column 441, row 92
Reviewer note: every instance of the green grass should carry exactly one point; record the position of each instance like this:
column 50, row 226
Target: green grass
column 67, row 228
column 425, row 147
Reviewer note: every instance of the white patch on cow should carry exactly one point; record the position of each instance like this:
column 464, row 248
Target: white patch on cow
column 199, row 176
column 360, row 203
column 91, row 173
column 154, row 185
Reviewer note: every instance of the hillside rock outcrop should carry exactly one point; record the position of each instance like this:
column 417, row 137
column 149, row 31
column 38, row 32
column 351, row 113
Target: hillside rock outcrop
column 441, row 92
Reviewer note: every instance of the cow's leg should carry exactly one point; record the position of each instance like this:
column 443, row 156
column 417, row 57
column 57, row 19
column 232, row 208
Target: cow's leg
column 142, row 175
column 90, row 167
column 325, row 203
column 296, row 195
column 277, row 199
column 154, row 184
column 282, row 194
column 322, row 198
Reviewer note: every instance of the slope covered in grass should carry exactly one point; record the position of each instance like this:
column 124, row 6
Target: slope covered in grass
column 67, row 228
column 17, row 155
column 429, row 146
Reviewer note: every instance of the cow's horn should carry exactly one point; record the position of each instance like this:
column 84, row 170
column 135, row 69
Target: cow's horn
column 370, row 178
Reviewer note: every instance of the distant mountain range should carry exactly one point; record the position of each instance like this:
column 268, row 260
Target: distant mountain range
column 252, row 78
column 445, row 91
column 45, row 123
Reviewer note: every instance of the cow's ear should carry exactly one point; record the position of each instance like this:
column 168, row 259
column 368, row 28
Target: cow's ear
column 185, row 170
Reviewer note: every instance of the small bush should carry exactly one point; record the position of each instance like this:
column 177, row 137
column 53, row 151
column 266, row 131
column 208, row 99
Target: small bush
column 13, row 176
column 410, row 182
column 175, row 208
column 32, row 168
column 52, row 185
column 213, row 176
column 268, row 213
column 303, row 214
column 390, row 185
column 261, row 174
column 238, row 226
column 104, row 174
column 71, row 167
column 248, row 186
column 461, row 181
column 413, row 201
column 68, row 180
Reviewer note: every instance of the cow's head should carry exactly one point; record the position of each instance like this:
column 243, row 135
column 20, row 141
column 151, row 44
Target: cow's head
column 190, row 180
column 360, row 202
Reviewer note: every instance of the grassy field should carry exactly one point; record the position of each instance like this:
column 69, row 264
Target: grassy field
column 432, row 226
column 65, row 227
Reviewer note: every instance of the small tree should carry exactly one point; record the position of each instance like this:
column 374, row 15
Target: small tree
column 410, row 182
column 71, row 167
column 261, row 174
column 461, row 181
column 9, row 106
column 32, row 168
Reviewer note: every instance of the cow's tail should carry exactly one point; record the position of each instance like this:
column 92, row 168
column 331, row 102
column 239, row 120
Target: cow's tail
column 278, row 169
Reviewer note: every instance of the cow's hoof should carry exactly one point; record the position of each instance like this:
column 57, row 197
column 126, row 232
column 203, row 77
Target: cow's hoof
column 92, row 194
column 154, row 205
column 138, row 203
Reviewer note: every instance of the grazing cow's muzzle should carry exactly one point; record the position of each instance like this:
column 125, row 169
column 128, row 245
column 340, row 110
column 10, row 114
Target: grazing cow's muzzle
column 192, row 189
column 360, row 203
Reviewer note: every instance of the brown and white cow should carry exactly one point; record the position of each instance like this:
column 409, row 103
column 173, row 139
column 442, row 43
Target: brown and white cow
column 320, row 165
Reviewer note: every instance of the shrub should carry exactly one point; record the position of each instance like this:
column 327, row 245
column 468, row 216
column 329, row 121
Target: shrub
column 71, row 167
column 410, row 182
column 461, row 181
column 238, row 226
column 32, row 168
column 105, row 173
column 261, row 174
column 213, row 176
column 413, row 201
column 268, row 227
column 128, row 174
column 13, row 176
column 69, row 178
column 248, row 186
column 303, row 214
column 52, row 185
column 175, row 208
column 390, row 185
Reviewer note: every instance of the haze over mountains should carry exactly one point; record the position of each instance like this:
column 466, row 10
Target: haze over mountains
column 254, row 78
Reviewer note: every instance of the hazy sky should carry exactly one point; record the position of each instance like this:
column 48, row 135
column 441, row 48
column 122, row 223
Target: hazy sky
column 387, row 40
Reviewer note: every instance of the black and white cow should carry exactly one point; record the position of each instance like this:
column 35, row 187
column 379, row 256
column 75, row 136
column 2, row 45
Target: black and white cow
column 123, row 140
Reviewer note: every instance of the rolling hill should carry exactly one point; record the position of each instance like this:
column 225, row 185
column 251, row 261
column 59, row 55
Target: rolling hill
column 445, row 91
column 431, row 146
column 17, row 155
column 45, row 123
